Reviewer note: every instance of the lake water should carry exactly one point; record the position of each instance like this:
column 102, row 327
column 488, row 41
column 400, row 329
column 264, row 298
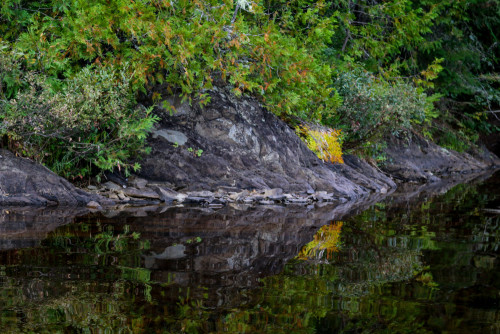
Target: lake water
column 417, row 262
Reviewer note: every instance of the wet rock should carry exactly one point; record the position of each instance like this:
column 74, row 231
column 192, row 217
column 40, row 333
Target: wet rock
column 277, row 198
column 219, row 201
column 196, row 200
column 168, row 195
column 297, row 200
column 247, row 200
column 141, row 193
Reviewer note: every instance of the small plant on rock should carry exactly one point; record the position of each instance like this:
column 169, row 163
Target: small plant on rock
column 323, row 141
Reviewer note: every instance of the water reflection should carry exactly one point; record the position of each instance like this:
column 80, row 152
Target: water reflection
column 402, row 265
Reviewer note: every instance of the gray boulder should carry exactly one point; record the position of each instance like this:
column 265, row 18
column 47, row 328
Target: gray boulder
column 25, row 182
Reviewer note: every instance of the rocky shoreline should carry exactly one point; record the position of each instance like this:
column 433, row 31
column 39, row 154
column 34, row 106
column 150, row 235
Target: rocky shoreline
column 141, row 192
column 235, row 151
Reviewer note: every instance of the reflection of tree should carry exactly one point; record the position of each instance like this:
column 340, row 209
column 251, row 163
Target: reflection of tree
column 54, row 297
column 375, row 272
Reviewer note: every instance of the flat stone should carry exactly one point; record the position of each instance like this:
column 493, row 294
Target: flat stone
column 168, row 195
column 257, row 197
column 113, row 196
column 277, row 198
column 112, row 186
column 239, row 196
column 298, row 200
column 195, row 200
column 273, row 192
column 225, row 189
column 172, row 136
column 138, row 183
column 141, row 193
column 93, row 205
column 203, row 193
column 219, row 201
column 266, row 202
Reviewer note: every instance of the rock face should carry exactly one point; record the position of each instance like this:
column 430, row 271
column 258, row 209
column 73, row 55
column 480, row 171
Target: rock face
column 417, row 160
column 234, row 149
column 235, row 143
column 24, row 182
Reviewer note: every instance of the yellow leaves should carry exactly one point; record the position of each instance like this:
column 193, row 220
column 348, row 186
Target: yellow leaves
column 324, row 142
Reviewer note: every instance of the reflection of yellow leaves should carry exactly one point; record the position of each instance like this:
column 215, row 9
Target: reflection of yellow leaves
column 327, row 238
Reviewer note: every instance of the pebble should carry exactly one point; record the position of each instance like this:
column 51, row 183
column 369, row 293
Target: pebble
column 93, row 205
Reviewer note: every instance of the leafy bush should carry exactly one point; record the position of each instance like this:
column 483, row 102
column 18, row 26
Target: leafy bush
column 187, row 45
column 90, row 120
column 324, row 142
column 72, row 49
column 374, row 107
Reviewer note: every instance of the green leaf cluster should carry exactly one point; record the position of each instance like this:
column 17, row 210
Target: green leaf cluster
column 75, row 125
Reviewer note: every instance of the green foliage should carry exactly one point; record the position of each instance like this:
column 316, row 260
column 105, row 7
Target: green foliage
column 384, row 34
column 295, row 56
column 374, row 107
column 75, row 124
column 454, row 141
column 113, row 50
column 276, row 56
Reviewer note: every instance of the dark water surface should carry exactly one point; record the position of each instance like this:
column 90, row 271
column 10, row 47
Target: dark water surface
column 409, row 264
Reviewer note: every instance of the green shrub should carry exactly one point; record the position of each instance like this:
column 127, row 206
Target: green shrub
column 374, row 107
column 90, row 120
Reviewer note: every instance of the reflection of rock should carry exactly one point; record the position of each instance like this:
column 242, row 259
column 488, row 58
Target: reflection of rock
column 237, row 244
column 27, row 227
column 170, row 253
column 414, row 193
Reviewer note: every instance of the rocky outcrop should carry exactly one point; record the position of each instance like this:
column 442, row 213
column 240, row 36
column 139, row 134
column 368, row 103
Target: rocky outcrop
column 415, row 159
column 25, row 182
column 236, row 144
column 233, row 150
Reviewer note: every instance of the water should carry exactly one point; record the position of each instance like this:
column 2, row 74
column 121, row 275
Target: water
column 414, row 263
